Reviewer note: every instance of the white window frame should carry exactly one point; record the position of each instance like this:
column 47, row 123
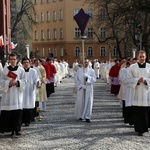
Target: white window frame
column 36, row 35
column 103, row 32
column 90, row 51
column 48, row 34
column 61, row 33
column 90, row 33
column 61, row 51
column 42, row 34
column 76, row 10
column 48, row 16
column 60, row 14
column 54, row 34
column 77, row 51
column 103, row 51
column 77, row 33
column 90, row 12
column 55, row 52
column 54, row 15
column 42, row 16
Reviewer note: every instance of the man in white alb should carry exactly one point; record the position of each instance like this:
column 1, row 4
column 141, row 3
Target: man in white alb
column 84, row 79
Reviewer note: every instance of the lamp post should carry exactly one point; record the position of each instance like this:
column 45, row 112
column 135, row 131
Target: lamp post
column 138, row 37
column 83, row 40
column 28, row 53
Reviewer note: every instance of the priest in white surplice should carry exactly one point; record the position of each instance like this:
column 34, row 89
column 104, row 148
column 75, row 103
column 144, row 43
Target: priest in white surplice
column 139, row 80
column 13, row 83
column 29, row 95
column 84, row 79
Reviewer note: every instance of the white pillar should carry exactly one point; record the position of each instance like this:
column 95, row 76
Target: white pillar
column 134, row 50
column 83, row 50
column 28, row 52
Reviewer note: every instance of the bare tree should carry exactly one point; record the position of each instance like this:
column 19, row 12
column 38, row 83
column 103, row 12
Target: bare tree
column 23, row 17
column 122, row 20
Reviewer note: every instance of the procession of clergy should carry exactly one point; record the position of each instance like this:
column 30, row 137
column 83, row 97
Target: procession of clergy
column 26, row 86
column 129, row 80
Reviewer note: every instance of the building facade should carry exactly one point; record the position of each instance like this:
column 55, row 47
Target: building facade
column 57, row 33
column 5, row 29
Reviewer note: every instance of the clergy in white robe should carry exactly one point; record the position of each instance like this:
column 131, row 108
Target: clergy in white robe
column 29, row 94
column 13, row 83
column 96, row 68
column 139, row 80
column 84, row 79
column 123, row 94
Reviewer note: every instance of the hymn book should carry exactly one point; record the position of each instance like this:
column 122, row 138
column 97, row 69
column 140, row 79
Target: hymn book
column 12, row 75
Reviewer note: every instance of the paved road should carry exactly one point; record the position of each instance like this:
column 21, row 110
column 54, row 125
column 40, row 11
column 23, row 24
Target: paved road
column 59, row 130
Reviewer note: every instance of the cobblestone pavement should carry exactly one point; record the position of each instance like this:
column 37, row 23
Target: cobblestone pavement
column 59, row 130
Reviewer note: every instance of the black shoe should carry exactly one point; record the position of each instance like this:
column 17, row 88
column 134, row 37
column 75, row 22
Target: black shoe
column 140, row 134
column 88, row 120
column 26, row 124
column 12, row 133
column 17, row 133
column 80, row 119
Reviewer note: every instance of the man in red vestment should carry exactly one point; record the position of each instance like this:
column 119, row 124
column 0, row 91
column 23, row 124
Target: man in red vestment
column 113, row 75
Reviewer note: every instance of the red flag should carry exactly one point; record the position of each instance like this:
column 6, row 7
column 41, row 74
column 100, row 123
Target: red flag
column 12, row 45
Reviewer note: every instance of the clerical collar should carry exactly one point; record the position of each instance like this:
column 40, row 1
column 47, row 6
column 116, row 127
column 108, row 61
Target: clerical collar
column 27, row 70
column 12, row 68
column 141, row 65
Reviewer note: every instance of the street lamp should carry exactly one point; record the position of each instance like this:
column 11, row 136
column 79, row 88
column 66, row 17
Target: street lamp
column 138, row 36
column 28, row 53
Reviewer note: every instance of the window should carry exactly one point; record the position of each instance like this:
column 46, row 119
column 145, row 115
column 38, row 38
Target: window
column 36, row 35
column 54, row 34
column 42, row 34
column 35, row 17
column 48, row 34
column 90, row 12
column 115, row 53
column 55, row 52
column 90, row 32
column 35, row 1
column 77, row 33
column 102, row 51
column 43, row 52
column 49, row 50
column 76, row 11
column 60, row 14
column 61, row 33
column 90, row 51
column 102, row 14
column 54, row 15
column 77, row 51
column 42, row 1
column 102, row 33
column 61, row 51
column 48, row 15
column 42, row 17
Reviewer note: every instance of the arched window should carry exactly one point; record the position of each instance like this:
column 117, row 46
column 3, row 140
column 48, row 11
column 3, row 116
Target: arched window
column 102, row 51
column 77, row 51
column 90, row 51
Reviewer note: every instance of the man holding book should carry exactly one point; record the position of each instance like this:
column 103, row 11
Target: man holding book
column 13, row 84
